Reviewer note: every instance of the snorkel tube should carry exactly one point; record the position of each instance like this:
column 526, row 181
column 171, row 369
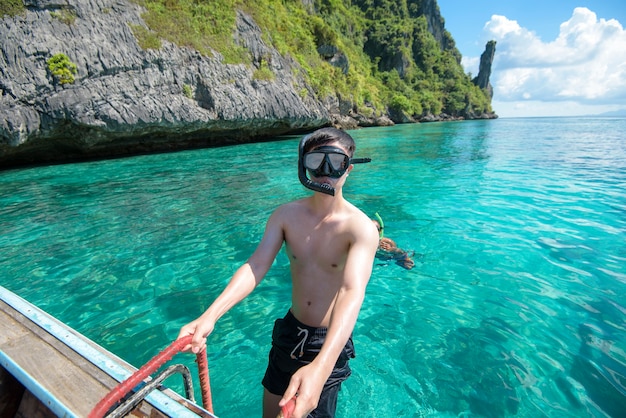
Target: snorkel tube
column 310, row 184
column 381, row 223
column 306, row 182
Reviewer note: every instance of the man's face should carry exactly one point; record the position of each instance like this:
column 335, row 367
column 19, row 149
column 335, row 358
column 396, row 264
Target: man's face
column 327, row 161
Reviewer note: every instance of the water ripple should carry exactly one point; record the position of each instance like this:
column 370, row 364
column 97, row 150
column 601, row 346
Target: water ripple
column 514, row 307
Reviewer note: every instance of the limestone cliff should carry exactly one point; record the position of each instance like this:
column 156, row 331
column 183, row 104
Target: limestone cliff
column 126, row 99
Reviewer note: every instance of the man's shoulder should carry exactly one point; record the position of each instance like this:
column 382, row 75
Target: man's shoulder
column 290, row 208
column 293, row 205
column 357, row 214
column 362, row 224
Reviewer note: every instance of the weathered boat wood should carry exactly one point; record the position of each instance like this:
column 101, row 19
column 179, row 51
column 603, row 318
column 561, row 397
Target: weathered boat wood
column 48, row 369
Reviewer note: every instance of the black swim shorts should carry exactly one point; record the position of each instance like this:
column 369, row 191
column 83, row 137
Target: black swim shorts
column 295, row 345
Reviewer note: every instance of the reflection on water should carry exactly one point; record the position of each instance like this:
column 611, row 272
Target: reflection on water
column 514, row 306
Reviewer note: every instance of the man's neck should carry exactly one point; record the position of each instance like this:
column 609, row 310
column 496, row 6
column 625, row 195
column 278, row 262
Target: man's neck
column 323, row 203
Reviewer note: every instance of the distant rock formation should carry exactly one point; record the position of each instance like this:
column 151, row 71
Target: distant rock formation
column 484, row 70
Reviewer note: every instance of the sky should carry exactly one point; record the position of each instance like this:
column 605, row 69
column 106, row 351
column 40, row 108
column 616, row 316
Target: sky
column 553, row 57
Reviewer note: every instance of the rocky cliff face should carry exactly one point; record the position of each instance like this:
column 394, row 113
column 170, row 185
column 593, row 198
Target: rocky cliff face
column 126, row 99
column 430, row 10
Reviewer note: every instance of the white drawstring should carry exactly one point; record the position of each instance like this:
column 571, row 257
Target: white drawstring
column 301, row 343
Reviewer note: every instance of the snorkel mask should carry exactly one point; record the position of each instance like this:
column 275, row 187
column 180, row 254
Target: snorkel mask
column 324, row 161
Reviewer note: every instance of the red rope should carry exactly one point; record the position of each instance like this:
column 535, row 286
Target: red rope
column 123, row 388
column 286, row 411
column 205, row 384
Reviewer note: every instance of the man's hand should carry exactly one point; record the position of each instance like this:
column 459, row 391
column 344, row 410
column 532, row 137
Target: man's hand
column 307, row 383
column 286, row 411
column 387, row 244
column 200, row 330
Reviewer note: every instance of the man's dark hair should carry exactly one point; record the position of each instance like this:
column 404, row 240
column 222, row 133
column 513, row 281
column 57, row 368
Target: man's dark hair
column 327, row 135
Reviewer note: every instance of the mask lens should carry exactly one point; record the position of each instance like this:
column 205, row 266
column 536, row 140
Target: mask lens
column 327, row 162
column 338, row 161
column 313, row 160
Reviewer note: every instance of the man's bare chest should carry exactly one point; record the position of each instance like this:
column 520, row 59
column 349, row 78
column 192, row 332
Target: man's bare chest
column 321, row 248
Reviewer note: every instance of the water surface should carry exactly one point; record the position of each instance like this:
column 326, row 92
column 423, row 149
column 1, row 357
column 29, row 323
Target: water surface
column 514, row 307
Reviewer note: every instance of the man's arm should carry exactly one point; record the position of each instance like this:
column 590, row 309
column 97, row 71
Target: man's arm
column 243, row 282
column 309, row 380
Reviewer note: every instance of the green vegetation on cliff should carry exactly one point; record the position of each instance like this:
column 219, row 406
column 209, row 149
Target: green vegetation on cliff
column 62, row 69
column 389, row 60
column 11, row 7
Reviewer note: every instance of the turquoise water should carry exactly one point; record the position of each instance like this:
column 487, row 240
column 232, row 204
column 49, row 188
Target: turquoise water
column 515, row 306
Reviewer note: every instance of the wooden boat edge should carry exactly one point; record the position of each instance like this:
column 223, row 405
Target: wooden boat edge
column 168, row 402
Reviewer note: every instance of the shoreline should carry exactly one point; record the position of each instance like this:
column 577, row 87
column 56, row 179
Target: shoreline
column 48, row 151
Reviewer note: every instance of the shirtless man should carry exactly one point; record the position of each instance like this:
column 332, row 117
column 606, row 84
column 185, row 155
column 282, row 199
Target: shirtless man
column 331, row 247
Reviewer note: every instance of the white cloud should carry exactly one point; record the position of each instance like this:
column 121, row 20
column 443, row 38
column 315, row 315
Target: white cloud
column 471, row 64
column 584, row 66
